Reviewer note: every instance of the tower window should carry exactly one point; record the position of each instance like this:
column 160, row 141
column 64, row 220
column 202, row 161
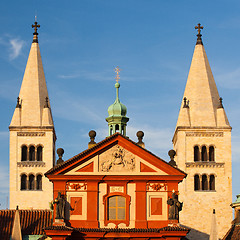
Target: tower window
column 32, row 153
column 196, row 182
column 212, row 182
column 39, row 153
column 23, row 182
column 204, row 182
column 116, row 208
column 196, row 154
column 31, row 182
column 204, row 153
column 39, row 182
column 211, row 153
column 117, row 127
column 24, row 153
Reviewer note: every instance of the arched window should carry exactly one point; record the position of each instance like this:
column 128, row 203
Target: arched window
column 196, row 154
column 204, row 153
column 32, row 153
column 23, row 182
column 211, row 153
column 204, row 182
column 39, row 153
column 212, row 182
column 31, row 182
column 196, row 183
column 117, row 127
column 39, row 182
column 24, row 153
column 116, row 208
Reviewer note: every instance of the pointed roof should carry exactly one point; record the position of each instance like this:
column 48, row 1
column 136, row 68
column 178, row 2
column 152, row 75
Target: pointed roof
column 201, row 91
column 33, row 91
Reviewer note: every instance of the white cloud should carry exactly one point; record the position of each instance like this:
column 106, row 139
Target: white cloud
column 15, row 47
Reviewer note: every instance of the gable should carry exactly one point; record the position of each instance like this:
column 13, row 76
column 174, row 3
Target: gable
column 116, row 161
column 115, row 155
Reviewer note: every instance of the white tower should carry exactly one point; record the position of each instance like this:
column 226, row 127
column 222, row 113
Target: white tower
column 202, row 141
column 32, row 138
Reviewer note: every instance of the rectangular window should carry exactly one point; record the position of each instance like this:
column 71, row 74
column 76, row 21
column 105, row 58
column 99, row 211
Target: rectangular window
column 116, row 208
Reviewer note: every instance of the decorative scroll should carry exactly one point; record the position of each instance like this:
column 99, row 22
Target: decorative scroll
column 204, row 165
column 118, row 160
column 76, row 186
column 159, row 187
column 31, row 164
column 204, row 134
column 31, row 134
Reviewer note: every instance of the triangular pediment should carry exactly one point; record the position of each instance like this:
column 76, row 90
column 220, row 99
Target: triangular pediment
column 116, row 155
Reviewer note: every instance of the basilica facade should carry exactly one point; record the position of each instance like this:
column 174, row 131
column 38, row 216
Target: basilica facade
column 117, row 189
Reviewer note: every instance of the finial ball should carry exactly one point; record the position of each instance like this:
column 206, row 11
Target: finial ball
column 92, row 134
column 140, row 134
column 171, row 153
column 117, row 85
column 60, row 152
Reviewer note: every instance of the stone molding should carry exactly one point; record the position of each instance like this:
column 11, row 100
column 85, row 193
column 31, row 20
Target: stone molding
column 204, row 134
column 31, row 134
column 157, row 187
column 204, row 165
column 31, row 164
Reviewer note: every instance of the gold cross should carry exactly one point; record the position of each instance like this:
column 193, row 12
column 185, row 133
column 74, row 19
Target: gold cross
column 199, row 27
column 35, row 26
column 117, row 70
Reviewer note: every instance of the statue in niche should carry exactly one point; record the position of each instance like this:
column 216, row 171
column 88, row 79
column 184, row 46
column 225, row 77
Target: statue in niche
column 60, row 208
column 119, row 161
column 175, row 207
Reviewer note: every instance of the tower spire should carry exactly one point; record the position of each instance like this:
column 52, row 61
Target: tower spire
column 117, row 120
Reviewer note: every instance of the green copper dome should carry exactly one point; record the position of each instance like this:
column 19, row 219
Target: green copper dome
column 117, row 108
column 117, row 120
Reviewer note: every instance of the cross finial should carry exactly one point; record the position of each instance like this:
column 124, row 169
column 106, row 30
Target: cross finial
column 35, row 26
column 199, row 35
column 117, row 70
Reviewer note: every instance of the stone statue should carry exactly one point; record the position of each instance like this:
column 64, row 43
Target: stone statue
column 60, row 208
column 175, row 207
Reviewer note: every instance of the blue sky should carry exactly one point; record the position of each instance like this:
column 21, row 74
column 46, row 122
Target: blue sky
column 152, row 41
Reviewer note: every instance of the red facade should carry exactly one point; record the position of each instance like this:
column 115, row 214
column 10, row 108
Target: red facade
column 115, row 190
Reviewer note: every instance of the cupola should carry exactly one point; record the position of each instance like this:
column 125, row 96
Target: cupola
column 117, row 120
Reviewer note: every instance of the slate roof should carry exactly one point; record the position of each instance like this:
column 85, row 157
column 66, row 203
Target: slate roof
column 233, row 233
column 32, row 222
column 88, row 151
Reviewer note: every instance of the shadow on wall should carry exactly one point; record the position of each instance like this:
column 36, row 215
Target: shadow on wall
column 195, row 234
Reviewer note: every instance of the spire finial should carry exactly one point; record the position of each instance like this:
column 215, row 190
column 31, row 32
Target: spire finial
column 220, row 103
column 199, row 35
column 46, row 103
column 35, row 26
column 117, row 70
column 18, row 103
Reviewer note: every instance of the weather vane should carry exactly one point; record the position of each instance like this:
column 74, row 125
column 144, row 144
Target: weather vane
column 117, row 70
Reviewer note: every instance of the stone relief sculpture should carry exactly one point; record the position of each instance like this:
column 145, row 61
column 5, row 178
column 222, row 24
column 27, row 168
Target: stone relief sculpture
column 118, row 160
